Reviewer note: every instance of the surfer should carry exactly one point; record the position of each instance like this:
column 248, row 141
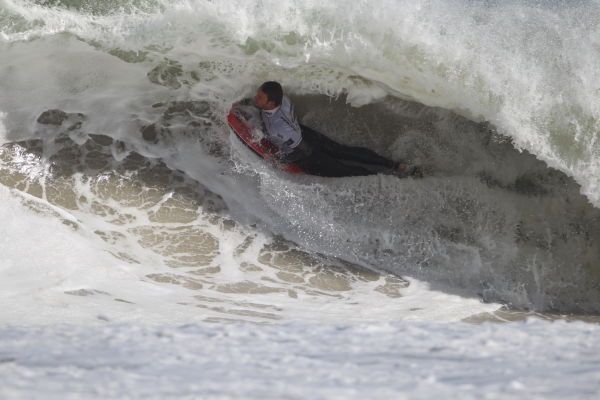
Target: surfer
column 313, row 152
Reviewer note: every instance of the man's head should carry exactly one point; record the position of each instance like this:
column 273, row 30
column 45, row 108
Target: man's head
column 268, row 96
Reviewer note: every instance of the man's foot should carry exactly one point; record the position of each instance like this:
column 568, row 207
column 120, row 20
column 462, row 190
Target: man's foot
column 403, row 170
column 417, row 172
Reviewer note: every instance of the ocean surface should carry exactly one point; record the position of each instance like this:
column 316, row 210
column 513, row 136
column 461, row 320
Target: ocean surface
column 130, row 211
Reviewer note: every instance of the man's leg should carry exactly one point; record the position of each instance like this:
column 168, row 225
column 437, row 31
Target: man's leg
column 346, row 153
column 322, row 164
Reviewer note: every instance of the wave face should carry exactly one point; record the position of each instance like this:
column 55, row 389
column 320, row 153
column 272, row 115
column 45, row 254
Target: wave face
column 498, row 99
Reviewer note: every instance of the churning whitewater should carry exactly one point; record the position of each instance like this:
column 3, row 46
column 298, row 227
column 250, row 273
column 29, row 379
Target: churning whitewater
column 126, row 200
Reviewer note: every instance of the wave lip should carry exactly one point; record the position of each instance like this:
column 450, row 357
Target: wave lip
column 528, row 68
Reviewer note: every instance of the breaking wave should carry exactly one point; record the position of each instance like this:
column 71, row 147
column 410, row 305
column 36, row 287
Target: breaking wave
column 497, row 100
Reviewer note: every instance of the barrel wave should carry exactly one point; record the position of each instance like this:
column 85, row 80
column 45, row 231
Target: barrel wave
column 112, row 117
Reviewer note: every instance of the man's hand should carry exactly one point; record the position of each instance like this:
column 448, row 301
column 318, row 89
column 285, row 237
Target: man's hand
column 269, row 147
column 241, row 113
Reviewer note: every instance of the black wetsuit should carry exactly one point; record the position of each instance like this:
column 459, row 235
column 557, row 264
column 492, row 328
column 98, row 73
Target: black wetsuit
column 321, row 156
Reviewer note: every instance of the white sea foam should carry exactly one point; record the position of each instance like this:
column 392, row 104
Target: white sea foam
column 532, row 360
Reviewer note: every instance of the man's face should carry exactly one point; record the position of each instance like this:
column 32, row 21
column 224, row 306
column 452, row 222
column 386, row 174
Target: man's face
column 262, row 101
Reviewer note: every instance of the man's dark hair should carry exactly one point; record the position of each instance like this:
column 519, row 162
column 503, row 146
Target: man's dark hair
column 274, row 91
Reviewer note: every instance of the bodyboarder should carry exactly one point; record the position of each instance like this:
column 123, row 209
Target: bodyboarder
column 313, row 152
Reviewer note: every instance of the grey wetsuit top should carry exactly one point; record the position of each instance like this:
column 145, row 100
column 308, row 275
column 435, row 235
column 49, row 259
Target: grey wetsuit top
column 282, row 127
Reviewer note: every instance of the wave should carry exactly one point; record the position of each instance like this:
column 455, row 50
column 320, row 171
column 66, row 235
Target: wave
column 461, row 86
column 525, row 67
